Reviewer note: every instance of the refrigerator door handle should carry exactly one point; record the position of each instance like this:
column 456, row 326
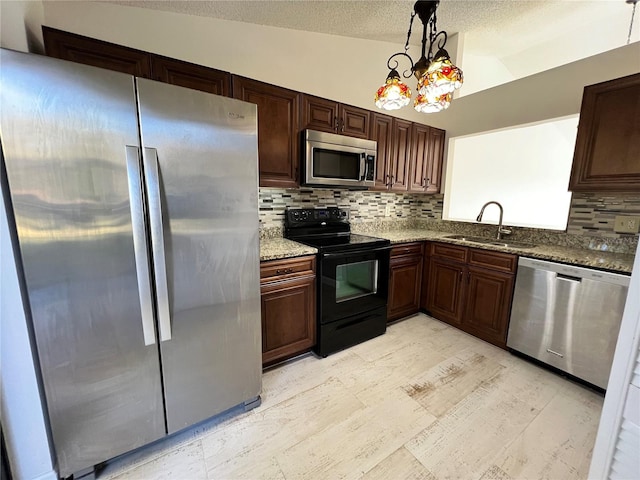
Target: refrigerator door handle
column 152, row 180
column 139, row 244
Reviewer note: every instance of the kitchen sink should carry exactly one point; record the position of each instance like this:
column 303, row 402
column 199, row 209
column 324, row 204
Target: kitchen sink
column 490, row 241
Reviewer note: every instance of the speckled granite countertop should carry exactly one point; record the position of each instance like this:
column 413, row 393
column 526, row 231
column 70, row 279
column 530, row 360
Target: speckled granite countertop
column 616, row 262
column 274, row 248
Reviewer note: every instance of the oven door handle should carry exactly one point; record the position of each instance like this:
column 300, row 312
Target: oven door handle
column 363, row 166
column 351, row 253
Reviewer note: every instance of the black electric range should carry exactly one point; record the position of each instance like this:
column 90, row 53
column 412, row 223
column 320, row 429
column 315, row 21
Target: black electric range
column 352, row 276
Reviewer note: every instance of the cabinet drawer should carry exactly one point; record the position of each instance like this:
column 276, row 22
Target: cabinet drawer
column 503, row 262
column 407, row 249
column 452, row 252
column 274, row 269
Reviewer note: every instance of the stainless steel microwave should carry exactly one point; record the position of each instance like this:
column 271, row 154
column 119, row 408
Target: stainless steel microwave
column 337, row 160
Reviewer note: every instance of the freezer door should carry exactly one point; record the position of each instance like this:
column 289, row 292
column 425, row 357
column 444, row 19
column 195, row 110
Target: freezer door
column 200, row 161
column 64, row 131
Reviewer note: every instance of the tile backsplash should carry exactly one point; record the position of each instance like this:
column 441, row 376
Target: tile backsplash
column 590, row 225
column 364, row 206
column 594, row 213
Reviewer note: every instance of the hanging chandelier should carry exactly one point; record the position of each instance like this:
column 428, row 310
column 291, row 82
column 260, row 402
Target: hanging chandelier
column 437, row 76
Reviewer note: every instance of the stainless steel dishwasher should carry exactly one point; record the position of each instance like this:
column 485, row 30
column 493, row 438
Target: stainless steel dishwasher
column 568, row 317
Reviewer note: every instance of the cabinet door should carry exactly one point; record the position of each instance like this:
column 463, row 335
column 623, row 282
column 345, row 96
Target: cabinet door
column 354, row 121
column 426, row 264
column 401, row 155
column 319, row 114
column 435, row 160
column 420, row 150
column 189, row 75
column 446, row 290
column 405, row 280
column 288, row 318
column 427, row 146
column 488, row 304
column 89, row 51
column 382, row 132
column 278, row 110
column 607, row 154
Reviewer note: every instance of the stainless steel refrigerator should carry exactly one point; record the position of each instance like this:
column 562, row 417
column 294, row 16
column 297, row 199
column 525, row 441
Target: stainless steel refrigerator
column 136, row 214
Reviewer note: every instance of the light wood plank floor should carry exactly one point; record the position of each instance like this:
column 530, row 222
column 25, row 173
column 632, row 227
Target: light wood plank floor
column 423, row 401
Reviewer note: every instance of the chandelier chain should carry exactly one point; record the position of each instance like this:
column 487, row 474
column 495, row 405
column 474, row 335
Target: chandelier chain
column 406, row 45
column 633, row 12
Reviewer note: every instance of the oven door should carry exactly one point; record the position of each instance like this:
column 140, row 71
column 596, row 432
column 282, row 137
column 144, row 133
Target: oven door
column 353, row 282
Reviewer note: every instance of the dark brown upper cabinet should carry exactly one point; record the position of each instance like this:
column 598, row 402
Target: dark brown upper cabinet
column 409, row 155
column 400, row 161
column 333, row 117
column 278, row 121
column 97, row 53
column 382, row 133
column 89, row 51
column 607, row 154
column 427, row 145
column 190, row 75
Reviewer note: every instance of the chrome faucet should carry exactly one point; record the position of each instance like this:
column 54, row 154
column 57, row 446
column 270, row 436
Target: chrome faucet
column 501, row 230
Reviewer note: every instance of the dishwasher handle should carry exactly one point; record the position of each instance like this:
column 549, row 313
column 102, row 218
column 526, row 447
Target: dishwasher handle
column 569, row 278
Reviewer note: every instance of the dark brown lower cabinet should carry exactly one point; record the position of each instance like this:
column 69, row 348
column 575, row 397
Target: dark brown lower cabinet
column 488, row 300
column 405, row 280
column 472, row 289
column 288, row 307
column 446, row 290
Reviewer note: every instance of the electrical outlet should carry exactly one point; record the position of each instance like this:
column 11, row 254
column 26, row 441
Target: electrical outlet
column 387, row 210
column 627, row 224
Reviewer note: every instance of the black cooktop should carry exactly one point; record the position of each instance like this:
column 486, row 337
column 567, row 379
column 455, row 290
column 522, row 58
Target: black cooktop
column 326, row 229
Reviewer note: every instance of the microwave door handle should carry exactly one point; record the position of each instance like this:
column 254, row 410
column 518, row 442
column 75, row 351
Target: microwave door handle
column 363, row 166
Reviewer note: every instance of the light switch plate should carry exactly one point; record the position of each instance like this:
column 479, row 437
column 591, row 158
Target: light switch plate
column 627, row 224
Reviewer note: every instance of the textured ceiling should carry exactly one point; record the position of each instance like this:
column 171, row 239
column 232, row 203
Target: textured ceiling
column 491, row 22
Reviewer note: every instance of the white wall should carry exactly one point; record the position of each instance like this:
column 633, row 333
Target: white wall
column 20, row 23
column 519, row 51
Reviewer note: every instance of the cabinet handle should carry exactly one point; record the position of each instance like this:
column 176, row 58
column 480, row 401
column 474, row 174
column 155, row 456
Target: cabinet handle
column 336, row 123
column 282, row 271
column 342, row 125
